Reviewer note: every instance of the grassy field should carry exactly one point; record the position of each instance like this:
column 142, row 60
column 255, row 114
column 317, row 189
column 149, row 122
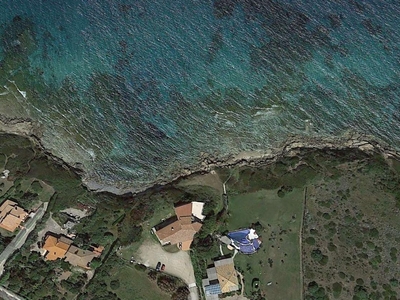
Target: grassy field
column 134, row 283
column 280, row 219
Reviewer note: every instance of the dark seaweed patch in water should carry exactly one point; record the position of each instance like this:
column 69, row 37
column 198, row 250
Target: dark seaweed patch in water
column 124, row 9
column 289, row 39
column 358, row 7
column 155, row 131
column 217, row 42
column 371, row 27
column 224, row 8
column 18, row 36
column 335, row 20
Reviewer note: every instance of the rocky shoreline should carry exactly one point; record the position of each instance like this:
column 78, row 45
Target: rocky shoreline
column 292, row 146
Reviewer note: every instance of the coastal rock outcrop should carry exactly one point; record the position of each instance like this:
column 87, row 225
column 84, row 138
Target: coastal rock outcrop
column 294, row 146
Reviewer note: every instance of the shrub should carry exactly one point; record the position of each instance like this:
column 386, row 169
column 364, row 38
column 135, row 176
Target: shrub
column 373, row 233
column 182, row 293
column 360, row 293
column 393, row 254
column 394, row 282
column 284, row 190
column 375, row 261
column 310, row 240
column 326, row 216
column 324, row 260
column 315, row 291
column 140, row 267
column 337, row 289
column 114, row 284
column 332, row 247
column 317, row 255
column 370, row 245
column 167, row 283
column 359, row 244
column 152, row 275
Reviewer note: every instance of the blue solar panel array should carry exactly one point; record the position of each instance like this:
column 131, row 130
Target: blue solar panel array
column 214, row 289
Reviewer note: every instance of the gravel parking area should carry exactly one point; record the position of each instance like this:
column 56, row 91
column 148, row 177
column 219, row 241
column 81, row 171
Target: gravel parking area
column 177, row 264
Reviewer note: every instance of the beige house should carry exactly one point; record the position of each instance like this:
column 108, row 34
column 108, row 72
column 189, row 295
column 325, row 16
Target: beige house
column 81, row 258
column 180, row 230
column 11, row 215
column 221, row 278
column 226, row 274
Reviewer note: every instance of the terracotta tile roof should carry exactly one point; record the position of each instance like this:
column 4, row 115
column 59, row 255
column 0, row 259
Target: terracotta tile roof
column 182, row 230
column 78, row 257
column 168, row 230
column 98, row 250
column 56, row 247
column 179, row 234
column 196, row 226
column 183, row 210
column 186, row 245
column 11, row 215
column 227, row 276
column 185, row 220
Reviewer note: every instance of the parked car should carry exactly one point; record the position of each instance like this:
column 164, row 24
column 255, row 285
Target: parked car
column 158, row 266
column 162, row 267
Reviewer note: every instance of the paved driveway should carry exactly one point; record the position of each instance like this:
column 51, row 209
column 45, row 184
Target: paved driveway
column 177, row 264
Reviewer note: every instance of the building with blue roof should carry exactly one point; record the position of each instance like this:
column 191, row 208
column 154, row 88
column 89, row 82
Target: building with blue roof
column 245, row 240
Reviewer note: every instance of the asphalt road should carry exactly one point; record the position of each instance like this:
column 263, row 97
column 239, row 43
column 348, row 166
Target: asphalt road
column 8, row 295
column 21, row 237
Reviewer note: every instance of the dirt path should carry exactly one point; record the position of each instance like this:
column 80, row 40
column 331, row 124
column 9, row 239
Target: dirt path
column 177, row 264
column 301, row 243
column 236, row 297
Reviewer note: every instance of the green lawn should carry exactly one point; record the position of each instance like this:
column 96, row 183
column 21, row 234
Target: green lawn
column 136, row 285
column 281, row 219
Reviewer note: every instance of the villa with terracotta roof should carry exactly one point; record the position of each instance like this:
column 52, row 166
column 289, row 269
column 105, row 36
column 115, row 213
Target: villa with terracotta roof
column 56, row 247
column 180, row 229
column 221, row 278
column 11, row 215
column 59, row 247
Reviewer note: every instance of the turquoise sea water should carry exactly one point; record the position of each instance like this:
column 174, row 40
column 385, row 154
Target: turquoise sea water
column 135, row 88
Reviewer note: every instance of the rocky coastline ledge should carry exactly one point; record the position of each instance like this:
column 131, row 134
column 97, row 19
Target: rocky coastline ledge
column 292, row 146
